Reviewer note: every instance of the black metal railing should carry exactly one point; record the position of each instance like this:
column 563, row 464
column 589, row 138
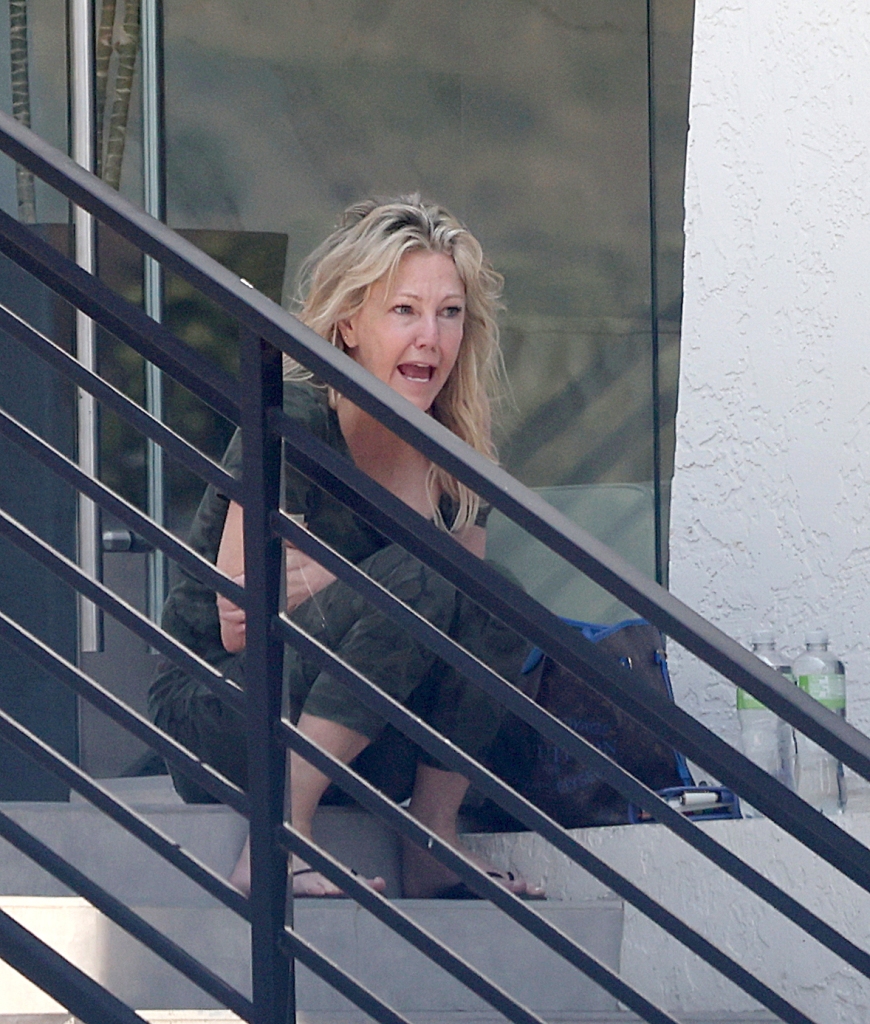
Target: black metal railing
column 254, row 402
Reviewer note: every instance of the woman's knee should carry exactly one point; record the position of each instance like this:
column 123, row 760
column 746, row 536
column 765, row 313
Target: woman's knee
column 212, row 731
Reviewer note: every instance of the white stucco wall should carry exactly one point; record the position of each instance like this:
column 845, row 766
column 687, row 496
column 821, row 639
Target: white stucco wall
column 771, row 500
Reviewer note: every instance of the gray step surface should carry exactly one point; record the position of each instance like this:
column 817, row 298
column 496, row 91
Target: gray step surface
column 354, row 939
column 213, row 834
column 357, row 941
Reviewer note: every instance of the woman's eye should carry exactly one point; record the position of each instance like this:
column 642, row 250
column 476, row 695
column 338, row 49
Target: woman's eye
column 452, row 311
column 403, row 308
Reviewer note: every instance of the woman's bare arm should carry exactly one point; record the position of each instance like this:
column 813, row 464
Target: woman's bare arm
column 231, row 562
column 304, row 578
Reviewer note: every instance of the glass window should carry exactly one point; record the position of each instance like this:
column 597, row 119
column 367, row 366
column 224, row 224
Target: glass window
column 529, row 118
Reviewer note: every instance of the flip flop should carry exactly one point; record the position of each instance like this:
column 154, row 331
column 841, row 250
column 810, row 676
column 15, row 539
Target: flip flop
column 460, row 891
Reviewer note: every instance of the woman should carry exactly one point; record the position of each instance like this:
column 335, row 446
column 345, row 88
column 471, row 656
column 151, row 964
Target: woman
column 403, row 288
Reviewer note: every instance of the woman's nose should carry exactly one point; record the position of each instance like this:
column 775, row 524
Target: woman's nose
column 427, row 331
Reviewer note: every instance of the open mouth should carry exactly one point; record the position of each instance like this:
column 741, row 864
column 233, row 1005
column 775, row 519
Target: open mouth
column 419, row 372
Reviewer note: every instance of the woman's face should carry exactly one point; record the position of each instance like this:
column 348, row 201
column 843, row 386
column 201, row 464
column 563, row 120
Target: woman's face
column 409, row 336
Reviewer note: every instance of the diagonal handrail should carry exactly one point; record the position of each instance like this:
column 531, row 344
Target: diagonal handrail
column 544, row 724
column 529, row 510
column 403, row 823
column 53, row 355
column 119, row 317
column 42, row 753
column 446, row 753
column 124, row 613
column 294, row 945
column 514, row 607
column 67, row 470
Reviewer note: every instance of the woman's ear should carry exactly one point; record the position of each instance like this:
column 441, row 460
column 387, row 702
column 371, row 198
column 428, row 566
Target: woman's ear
column 346, row 333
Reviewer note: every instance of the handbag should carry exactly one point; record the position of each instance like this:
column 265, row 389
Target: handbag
column 571, row 792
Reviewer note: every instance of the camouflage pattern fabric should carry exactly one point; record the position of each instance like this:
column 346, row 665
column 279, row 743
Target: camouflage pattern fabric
column 365, row 638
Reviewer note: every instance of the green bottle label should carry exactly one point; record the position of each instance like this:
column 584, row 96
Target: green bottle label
column 746, row 702
column 829, row 689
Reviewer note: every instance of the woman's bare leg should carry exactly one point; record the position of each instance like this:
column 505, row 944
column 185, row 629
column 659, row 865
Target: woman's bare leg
column 306, row 786
column 435, row 802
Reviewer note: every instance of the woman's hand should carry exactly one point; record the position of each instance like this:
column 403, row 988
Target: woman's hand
column 232, row 620
column 305, row 577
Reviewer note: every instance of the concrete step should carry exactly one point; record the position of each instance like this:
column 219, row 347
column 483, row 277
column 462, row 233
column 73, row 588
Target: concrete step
column 349, row 935
column 214, row 834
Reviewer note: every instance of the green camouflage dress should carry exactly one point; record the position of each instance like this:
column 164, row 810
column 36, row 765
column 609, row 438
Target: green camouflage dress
column 364, row 637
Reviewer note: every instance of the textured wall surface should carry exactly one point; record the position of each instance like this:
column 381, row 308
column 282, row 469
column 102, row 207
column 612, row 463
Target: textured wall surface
column 771, row 505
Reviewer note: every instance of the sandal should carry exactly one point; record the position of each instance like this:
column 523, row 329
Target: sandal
column 460, row 891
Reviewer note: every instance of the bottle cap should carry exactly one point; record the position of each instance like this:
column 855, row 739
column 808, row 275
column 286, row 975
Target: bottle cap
column 816, row 636
column 762, row 636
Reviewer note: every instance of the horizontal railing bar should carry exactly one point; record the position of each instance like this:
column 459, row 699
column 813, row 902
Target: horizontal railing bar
column 62, row 768
column 125, row 918
column 52, row 354
column 560, row 734
column 293, row 945
column 66, row 469
column 440, row 954
column 484, row 780
column 49, row 971
column 569, row 648
column 128, row 323
column 169, row 749
column 69, row 572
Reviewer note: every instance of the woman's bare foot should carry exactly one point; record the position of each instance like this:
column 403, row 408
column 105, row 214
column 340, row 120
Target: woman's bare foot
column 435, row 803
column 308, row 881
column 424, row 877
column 304, row 880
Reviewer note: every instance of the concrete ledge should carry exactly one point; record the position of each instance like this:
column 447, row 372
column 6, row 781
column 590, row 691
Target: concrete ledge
column 718, row 907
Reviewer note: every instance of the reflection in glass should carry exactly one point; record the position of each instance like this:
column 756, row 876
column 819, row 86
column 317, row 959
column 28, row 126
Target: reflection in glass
column 530, row 119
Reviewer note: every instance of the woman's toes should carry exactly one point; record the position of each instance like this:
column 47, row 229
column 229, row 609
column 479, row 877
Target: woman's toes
column 377, row 883
column 535, row 892
column 309, row 882
column 508, row 880
column 517, row 884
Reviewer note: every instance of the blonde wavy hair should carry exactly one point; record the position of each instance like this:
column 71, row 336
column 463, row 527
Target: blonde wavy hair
column 336, row 279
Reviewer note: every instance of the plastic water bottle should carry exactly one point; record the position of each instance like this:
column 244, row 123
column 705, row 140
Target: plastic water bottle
column 766, row 740
column 819, row 774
